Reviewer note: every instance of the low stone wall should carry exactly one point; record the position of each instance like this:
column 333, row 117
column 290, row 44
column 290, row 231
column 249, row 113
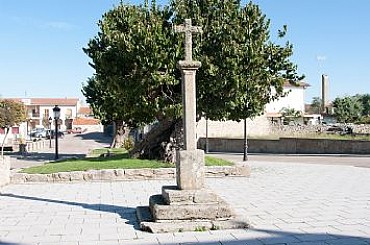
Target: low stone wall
column 33, row 146
column 4, row 171
column 124, row 174
column 289, row 146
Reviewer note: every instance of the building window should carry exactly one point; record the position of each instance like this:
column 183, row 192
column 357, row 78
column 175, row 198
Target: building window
column 46, row 113
column 15, row 130
column 68, row 113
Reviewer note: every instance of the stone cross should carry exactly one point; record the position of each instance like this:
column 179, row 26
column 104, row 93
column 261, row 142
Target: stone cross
column 188, row 69
column 188, row 29
column 190, row 161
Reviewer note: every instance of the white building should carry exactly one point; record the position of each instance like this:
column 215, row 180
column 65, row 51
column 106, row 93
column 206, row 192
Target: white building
column 294, row 99
column 39, row 111
column 259, row 125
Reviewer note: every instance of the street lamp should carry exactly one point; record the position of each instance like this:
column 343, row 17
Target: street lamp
column 245, row 152
column 50, row 121
column 56, row 111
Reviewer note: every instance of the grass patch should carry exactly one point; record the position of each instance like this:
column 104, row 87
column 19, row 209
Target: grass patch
column 98, row 152
column 214, row 161
column 117, row 161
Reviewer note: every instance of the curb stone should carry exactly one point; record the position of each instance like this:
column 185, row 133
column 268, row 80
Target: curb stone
column 124, row 174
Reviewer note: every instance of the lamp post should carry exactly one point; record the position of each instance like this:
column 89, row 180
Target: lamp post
column 50, row 121
column 56, row 111
column 245, row 152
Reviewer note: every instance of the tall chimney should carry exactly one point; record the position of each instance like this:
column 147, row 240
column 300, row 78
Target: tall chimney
column 324, row 93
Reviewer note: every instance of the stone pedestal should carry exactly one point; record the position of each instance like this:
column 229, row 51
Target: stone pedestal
column 187, row 210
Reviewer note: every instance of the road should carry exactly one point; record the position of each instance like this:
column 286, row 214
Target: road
column 348, row 160
column 71, row 146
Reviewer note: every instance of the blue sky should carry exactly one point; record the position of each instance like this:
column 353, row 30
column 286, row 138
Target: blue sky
column 41, row 43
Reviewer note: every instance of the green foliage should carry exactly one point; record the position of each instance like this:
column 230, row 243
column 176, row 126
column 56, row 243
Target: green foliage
column 11, row 113
column 134, row 56
column 214, row 161
column 114, row 151
column 242, row 70
column 348, row 109
column 365, row 100
column 200, row 228
column 316, row 105
column 290, row 112
column 136, row 50
column 128, row 144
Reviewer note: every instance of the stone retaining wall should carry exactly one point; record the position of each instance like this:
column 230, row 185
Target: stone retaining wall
column 4, row 171
column 124, row 174
column 289, row 146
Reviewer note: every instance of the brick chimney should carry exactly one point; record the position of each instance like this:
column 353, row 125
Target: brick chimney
column 324, row 93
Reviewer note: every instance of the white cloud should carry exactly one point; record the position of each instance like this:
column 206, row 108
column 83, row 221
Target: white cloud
column 36, row 23
column 58, row 25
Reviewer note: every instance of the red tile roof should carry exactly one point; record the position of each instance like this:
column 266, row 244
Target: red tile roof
column 48, row 101
column 85, row 121
column 54, row 101
column 85, row 110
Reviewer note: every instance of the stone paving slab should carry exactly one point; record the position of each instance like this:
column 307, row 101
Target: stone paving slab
column 285, row 203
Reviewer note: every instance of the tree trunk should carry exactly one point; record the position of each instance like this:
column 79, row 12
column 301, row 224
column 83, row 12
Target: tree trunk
column 161, row 142
column 119, row 134
column 3, row 143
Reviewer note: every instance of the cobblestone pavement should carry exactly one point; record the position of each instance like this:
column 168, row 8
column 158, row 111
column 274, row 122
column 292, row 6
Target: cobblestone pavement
column 286, row 203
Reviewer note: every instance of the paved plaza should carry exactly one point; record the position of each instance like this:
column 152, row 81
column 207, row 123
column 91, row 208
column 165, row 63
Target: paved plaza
column 286, row 203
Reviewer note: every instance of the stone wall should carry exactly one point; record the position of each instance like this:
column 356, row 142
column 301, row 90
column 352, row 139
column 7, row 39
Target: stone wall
column 125, row 174
column 289, row 146
column 4, row 171
column 232, row 129
column 299, row 130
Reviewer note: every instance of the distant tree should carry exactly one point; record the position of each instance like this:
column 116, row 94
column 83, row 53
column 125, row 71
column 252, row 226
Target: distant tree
column 348, row 109
column 11, row 113
column 365, row 100
column 316, row 105
column 290, row 114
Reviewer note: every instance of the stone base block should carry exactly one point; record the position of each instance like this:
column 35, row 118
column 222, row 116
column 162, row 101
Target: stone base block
column 147, row 223
column 192, row 211
column 190, row 169
column 173, row 195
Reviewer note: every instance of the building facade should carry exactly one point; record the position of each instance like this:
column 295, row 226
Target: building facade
column 260, row 125
column 40, row 111
column 39, row 114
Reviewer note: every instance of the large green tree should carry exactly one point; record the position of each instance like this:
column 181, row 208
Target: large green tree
column 108, row 106
column 136, row 51
column 12, row 113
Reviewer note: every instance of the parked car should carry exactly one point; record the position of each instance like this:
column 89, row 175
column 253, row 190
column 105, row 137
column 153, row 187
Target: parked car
column 76, row 130
column 38, row 133
column 51, row 134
